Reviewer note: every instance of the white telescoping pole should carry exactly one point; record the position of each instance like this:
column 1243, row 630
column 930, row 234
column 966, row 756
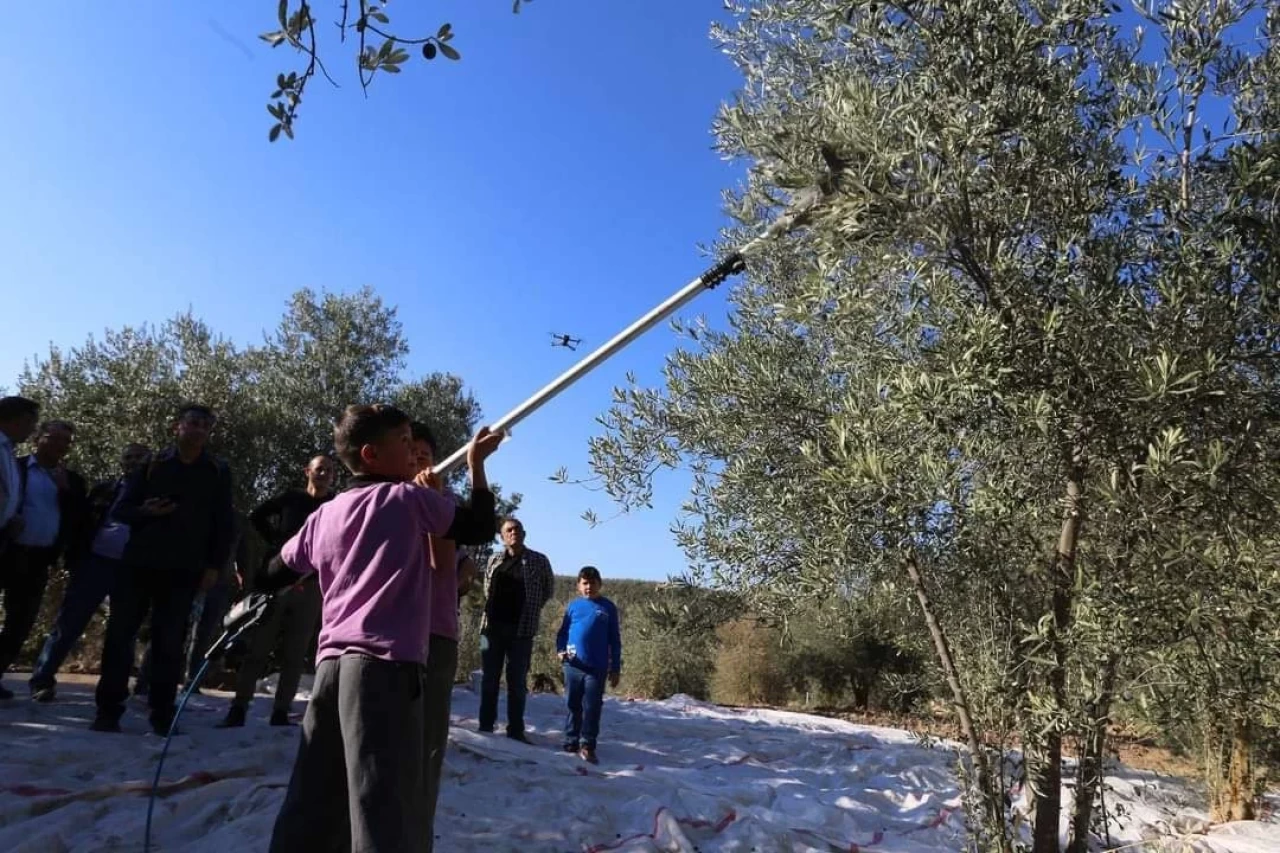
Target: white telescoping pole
column 735, row 263
column 708, row 280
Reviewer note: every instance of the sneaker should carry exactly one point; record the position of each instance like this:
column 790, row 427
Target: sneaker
column 281, row 718
column 234, row 718
column 588, row 754
column 100, row 723
column 570, row 747
column 5, row 692
column 520, row 736
column 43, row 694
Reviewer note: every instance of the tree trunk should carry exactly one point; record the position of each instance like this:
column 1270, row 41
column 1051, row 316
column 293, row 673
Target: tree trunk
column 991, row 800
column 1235, row 798
column 1089, row 769
column 1048, row 775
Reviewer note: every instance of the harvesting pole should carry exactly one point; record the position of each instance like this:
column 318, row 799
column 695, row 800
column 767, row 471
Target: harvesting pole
column 798, row 213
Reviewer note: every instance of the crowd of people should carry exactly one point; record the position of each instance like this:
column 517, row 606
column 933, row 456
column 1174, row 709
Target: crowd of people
column 378, row 570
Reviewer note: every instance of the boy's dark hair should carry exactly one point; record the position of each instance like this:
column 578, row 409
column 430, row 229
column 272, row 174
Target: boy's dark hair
column 194, row 409
column 361, row 425
column 16, row 407
column 422, row 432
column 46, row 426
column 589, row 573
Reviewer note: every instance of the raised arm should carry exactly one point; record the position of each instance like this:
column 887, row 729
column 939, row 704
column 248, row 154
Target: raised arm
column 438, row 515
column 475, row 523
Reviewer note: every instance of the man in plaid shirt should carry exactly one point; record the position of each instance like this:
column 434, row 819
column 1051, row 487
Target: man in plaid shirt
column 517, row 584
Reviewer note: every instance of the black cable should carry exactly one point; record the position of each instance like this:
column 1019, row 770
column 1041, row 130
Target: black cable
column 246, row 613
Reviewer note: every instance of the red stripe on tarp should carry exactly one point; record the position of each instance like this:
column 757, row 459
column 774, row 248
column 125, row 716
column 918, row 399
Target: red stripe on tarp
column 34, row 791
column 693, row 823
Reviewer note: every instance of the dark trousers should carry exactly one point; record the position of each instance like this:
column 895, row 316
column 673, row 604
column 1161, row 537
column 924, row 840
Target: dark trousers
column 24, row 573
column 207, row 629
column 442, row 666
column 357, row 781
column 90, row 583
column 169, row 595
column 287, row 630
column 584, row 696
column 500, row 646
column 204, row 626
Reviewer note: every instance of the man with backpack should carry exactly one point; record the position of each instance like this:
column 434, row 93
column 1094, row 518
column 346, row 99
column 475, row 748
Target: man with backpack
column 92, row 560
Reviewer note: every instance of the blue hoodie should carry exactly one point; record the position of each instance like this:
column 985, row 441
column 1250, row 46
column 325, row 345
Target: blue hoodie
column 590, row 625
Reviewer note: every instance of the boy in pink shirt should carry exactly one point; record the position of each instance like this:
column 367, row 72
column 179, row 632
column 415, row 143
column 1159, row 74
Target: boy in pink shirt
column 359, row 772
column 452, row 572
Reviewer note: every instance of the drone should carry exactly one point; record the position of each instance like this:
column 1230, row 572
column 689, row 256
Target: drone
column 559, row 340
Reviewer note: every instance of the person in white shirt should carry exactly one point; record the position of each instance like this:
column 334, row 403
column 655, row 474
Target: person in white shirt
column 18, row 418
column 51, row 509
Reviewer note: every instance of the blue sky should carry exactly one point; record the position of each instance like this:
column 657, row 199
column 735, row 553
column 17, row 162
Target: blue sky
column 558, row 178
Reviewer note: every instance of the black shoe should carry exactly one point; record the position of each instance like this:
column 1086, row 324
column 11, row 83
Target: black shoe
column 234, row 718
column 281, row 718
column 588, row 755
column 110, row 725
column 520, row 736
column 43, row 694
column 485, row 730
column 5, row 692
column 570, row 747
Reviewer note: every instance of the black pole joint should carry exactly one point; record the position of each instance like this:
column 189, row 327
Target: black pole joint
column 730, row 266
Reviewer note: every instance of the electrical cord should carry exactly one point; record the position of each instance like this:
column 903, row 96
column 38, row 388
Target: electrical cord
column 245, row 614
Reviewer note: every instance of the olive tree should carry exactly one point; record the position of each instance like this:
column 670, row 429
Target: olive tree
column 1035, row 317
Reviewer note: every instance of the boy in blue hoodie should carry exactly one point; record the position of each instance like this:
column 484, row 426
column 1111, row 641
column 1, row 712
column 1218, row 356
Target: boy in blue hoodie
column 589, row 644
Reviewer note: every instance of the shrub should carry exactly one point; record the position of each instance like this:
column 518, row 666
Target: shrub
column 659, row 664
column 750, row 665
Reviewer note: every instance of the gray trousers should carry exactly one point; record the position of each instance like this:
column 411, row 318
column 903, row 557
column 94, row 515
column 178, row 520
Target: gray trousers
column 287, row 631
column 357, row 782
column 442, row 665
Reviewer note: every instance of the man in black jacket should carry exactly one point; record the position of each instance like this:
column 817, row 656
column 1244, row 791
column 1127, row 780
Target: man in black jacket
column 51, row 510
column 294, row 614
column 179, row 513
column 207, row 611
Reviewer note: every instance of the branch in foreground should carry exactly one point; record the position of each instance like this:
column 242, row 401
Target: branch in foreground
column 297, row 29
